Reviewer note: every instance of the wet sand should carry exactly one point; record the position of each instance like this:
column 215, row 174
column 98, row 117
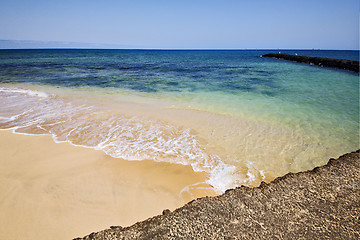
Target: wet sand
column 58, row 191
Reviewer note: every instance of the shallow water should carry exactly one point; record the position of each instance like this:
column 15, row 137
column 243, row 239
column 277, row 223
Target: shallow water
column 241, row 118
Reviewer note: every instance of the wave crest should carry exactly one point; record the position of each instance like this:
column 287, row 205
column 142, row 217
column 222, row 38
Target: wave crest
column 129, row 138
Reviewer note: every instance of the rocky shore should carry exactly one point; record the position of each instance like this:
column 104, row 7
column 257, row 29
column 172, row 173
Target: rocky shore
column 350, row 65
column 323, row 203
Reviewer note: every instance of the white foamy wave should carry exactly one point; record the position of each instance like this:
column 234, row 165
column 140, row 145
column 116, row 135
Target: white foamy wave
column 225, row 176
column 25, row 91
column 262, row 173
column 250, row 177
column 188, row 190
column 222, row 176
column 129, row 138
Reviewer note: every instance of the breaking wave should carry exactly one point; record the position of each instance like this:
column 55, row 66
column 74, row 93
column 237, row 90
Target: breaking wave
column 120, row 136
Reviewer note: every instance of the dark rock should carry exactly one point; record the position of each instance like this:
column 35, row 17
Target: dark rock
column 317, row 204
column 166, row 212
column 116, row 227
column 91, row 236
column 350, row 65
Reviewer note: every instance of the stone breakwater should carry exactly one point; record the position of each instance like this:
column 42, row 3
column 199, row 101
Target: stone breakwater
column 323, row 203
column 350, row 65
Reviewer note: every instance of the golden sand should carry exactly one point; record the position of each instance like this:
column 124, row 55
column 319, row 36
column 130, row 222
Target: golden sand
column 58, row 191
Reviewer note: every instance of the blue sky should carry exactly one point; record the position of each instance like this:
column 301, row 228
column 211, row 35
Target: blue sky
column 209, row 24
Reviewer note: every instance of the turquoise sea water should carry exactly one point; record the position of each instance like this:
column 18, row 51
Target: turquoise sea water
column 240, row 117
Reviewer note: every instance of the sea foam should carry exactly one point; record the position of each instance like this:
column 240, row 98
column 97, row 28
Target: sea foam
column 25, row 91
column 129, row 138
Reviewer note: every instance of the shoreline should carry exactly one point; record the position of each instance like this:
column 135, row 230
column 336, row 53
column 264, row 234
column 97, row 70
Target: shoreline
column 318, row 203
column 58, row 191
column 238, row 140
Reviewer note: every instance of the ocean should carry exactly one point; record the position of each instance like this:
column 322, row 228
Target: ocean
column 240, row 118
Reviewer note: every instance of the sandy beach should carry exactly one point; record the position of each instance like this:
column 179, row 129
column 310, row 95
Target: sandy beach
column 58, row 191
column 234, row 116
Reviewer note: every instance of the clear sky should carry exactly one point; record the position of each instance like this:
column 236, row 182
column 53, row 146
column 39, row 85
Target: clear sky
column 234, row 24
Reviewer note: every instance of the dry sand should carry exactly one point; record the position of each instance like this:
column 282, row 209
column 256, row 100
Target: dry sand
column 58, row 191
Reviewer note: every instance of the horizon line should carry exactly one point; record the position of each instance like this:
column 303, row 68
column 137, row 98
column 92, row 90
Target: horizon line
column 16, row 44
column 180, row 49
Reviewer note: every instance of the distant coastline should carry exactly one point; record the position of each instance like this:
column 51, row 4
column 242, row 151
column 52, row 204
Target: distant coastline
column 8, row 44
column 30, row 44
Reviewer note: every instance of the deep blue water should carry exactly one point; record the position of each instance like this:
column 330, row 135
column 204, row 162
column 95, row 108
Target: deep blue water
column 149, row 70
